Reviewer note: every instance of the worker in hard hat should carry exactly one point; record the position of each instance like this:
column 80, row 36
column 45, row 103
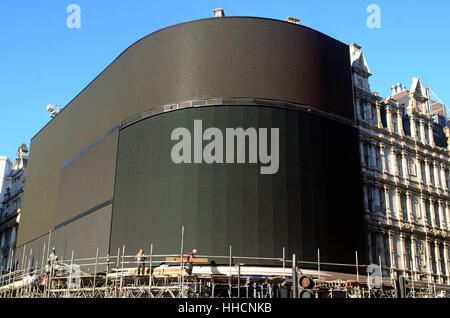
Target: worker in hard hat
column 189, row 261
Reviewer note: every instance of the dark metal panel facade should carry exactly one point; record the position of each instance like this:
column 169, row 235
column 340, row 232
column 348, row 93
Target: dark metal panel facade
column 87, row 180
column 240, row 57
column 303, row 207
column 82, row 236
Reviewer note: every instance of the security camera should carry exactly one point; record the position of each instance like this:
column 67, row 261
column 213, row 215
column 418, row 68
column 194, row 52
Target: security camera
column 53, row 109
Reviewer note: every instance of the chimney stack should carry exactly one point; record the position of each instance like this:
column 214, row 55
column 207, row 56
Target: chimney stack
column 293, row 20
column 219, row 13
column 393, row 90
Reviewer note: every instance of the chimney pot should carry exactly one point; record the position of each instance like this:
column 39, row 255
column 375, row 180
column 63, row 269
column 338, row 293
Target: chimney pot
column 219, row 13
column 293, row 20
column 393, row 90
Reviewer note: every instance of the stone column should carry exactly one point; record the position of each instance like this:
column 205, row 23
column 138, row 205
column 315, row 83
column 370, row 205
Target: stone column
column 374, row 161
column 2, row 240
column 443, row 177
column 393, row 159
column 358, row 112
column 423, row 209
column 361, row 150
column 379, row 123
column 428, row 256
column 436, row 175
column 438, row 260
column 419, row 170
column 405, row 165
column 391, row 253
column 381, row 250
column 446, row 261
column 398, row 197
column 12, row 239
column 422, row 131
column 389, row 118
column 404, row 255
column 409, row 206
column 433, row 216
column 441, row 215
column 387, row 201
column 430, row 133
column 427, row 172
column 366, row 199
column 413, row 256
column 383, row 158
column 377, row 200
column 413, row 127
column 447, row 213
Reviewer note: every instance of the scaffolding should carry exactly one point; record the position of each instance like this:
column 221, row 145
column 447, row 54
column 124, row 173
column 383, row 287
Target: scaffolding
column 165, row 276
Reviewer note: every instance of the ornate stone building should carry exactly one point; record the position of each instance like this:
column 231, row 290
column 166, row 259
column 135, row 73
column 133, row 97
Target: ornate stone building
column 405, row 167
column 12, row 182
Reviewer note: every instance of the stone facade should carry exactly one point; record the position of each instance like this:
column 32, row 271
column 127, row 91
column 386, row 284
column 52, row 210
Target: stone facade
column 405, row 167
column 12, row 182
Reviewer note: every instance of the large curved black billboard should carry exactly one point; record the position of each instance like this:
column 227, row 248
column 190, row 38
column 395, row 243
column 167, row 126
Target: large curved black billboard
column 104, row 168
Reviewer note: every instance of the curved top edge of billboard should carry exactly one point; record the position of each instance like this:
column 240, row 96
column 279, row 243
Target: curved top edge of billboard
column 347, row 89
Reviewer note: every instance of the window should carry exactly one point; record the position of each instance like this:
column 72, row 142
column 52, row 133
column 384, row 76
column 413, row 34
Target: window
column 439, row 180
column 408, row 254
column 399, row 166
column 373, row 242
column 397, row 252
column 447, row 178
column 366, row 155
column 411, row 168
column 418, row 131
column 433, row 258
column 416, row 210
column 387, row 249
column 370, row 198
column 420, row 255
column 362, row 110
column 394, row 123
column 431, row 174
column 428, row 212
column 404, row 208
column 386, row 160
column 373, row 110
column 442, row 260
column 445, row 216
column 382, row 197
column 377, row 157
column 424, row 173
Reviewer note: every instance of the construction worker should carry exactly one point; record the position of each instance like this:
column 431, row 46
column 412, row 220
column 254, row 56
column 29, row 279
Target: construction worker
column 189, row 261
column 51, row 262
column 140, row 262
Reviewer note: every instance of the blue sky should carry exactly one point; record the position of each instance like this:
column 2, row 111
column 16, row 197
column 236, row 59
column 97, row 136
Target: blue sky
column 42, row 61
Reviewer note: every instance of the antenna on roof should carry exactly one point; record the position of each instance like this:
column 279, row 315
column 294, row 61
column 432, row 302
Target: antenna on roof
column 433, row 99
